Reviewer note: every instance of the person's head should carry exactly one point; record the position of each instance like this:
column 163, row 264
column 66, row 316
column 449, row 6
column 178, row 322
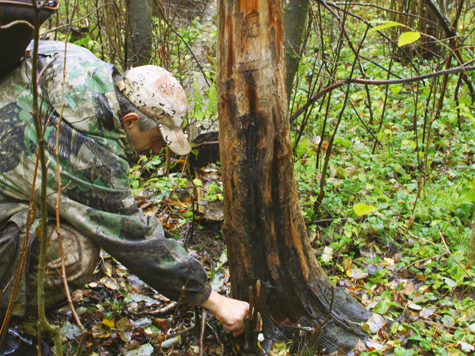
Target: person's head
column 153, row 104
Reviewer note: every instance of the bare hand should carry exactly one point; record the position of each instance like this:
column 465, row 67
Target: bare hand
column 230, row 311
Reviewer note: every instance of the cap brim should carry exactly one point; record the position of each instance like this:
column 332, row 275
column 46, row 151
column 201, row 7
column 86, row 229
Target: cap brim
column 176, row 140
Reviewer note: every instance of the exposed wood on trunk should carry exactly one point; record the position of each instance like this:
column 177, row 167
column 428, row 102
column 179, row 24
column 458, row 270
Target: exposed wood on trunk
column 264, row 227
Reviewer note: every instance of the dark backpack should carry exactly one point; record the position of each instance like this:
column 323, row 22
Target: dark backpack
column 15, row 37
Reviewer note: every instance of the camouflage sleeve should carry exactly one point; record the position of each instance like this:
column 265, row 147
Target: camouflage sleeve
column 93, row 152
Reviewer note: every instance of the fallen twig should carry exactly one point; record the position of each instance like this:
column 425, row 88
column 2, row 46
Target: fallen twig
column 419, row 261
column 451, row 255
column 202, row 336
column 170, row 307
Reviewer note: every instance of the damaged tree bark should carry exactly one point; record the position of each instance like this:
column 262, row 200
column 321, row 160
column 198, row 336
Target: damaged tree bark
column 264, row 227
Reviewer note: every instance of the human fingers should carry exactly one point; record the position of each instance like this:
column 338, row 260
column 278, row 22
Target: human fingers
column 239, row 331
column 236, row 327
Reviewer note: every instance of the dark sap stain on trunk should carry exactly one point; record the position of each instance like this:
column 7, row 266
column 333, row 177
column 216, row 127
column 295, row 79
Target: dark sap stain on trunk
column 230, row 49
column 251, row 128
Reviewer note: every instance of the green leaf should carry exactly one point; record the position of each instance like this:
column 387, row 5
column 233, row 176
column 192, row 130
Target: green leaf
column 382, row 307
column 408, row 38
column 387, row 24
column 396, row 89
column 363, row 209
column 394, row 327
column 197, row 182
column 450, row 282
column 409, row 142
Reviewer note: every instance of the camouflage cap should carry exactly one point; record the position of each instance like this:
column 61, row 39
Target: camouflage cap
column 157, row 93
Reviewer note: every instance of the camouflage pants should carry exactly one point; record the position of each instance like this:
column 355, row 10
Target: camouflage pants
column 80, row 254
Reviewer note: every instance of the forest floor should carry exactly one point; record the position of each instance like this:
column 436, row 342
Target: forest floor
column 123, row 316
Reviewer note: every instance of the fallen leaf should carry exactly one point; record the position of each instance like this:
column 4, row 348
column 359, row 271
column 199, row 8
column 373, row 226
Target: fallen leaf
column 373, row 345
column 195, row 350
column 143, row 322
column 426, row 312
column 70, row 331
column 377, row 320
column 327, row 254
column 146, row 300
column 408, row 288
column 109, row 322
column 414, row 306
column 371, row 269
column 363, row 209
column 110, row 283
column 466, row 347
column 347, row 263
column 162, row 323
column 144, row 350
column 371, row 327
column 126, row 336
column 101, row 331
column 450, row 282
column 124, row 324
column 107, row 269
column 170, row 342
column 152, row 211
column 356, row 273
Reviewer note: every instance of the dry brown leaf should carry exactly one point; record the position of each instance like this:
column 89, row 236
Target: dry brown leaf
column 356, row 273
column 110, row 283
column 426, row 313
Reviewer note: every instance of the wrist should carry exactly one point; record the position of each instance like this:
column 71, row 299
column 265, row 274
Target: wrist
column 213, row 302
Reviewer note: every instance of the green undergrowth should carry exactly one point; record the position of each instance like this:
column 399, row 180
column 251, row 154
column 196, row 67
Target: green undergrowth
column 395, row 221
column 397, row 236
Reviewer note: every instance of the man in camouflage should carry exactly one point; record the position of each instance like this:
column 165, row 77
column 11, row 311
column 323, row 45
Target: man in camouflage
column 107, row 118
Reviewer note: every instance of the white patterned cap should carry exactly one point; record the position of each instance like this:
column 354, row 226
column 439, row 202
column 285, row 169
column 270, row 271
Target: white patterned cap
column 157, row 94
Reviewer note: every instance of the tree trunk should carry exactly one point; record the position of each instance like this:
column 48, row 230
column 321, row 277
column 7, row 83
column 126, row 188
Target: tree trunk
column 295, row 23
column 139, row 33
column 264, row 228
column 471, row 246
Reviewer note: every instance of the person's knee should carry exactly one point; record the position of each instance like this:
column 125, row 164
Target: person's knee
column 80, row 260
column 81, row 256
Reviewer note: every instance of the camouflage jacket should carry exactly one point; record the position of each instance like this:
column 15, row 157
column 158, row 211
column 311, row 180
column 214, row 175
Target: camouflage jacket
column 94, row 152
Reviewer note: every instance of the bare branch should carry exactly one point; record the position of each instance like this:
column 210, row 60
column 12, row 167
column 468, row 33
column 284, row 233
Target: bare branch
column 385, row 9
column 328, row 89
